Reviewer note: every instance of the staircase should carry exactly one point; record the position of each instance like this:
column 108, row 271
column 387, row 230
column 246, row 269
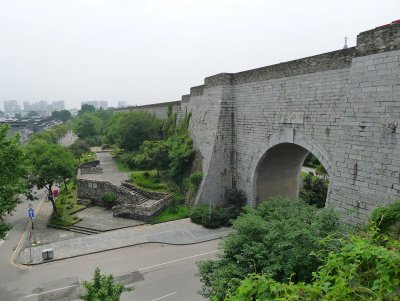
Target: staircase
column 141, row 198
column 83, row 230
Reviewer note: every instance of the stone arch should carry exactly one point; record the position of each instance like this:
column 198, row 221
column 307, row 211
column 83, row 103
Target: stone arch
column 282, row 144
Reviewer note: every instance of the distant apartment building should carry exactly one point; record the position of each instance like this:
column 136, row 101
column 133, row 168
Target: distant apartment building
column 103, row 104
column 57, row 106
column 43, row 108
column 11, row 107
column 121, row 104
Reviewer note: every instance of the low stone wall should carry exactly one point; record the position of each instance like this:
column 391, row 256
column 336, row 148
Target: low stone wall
column 91, row 170
column 93, row 163
column 145, row 211
column 94, row 190
column 127, row 205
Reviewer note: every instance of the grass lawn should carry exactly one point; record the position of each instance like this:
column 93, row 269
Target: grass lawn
column 148, row 180
column 122, row 167
column 167, row 215
column 66, row 207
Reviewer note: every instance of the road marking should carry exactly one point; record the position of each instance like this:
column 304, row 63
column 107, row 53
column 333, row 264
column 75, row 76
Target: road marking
column 164, row 296
column 176, row 260
column 54, row 290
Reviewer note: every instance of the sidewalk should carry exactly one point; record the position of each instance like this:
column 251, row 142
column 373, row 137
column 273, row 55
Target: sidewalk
column 178, row 232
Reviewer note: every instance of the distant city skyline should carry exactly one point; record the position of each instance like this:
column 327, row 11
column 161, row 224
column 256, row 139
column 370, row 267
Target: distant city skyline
column 146, row 52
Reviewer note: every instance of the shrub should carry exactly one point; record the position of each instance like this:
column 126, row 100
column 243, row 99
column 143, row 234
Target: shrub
column 109, row 199
column 196, row 179
column 235, row 197
column 202, row 215
column 388, row 219
column 276, row 239
column 198, row 212
column 363, row 269
column 314, row 191
column 146, row 174
column 228, row 214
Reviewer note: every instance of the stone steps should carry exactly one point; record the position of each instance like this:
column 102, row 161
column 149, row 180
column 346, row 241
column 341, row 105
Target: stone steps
column 83, row 230
column 141, row 198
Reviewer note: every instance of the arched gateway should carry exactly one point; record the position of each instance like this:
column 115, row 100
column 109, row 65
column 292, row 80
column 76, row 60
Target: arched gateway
column 276, row 165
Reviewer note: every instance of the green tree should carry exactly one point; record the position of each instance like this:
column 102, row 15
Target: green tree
column 88, row 126
column 86, row 108
column 129, row 130
column 62, row 115
column 366, row 267
column 314, row 191
column 103, row 288
column 276, row 239
column 12, row 172
column 78, row 148
column 152, row 155
column 33, row 114
column 49, row 164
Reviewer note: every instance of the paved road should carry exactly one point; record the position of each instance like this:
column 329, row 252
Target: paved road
column 158, row 272
column 19, row 220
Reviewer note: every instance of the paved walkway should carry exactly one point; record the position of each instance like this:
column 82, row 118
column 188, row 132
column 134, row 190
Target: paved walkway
column 43, row 234
column 102, row 219
column 110, row 171
column 175, row 232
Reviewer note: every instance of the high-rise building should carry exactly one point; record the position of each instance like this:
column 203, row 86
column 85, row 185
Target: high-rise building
column 11, row 107
column 121, row 104
column 103, row 104
column 57, row 106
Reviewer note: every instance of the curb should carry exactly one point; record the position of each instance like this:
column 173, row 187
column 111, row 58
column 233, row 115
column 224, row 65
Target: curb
column 122, row 247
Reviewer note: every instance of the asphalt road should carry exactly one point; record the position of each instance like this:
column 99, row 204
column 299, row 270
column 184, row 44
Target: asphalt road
column 157, row 271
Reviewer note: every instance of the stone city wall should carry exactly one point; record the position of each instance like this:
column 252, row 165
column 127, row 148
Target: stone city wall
column 343, row 106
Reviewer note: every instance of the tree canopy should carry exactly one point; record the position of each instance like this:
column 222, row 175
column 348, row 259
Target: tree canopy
column 103, row 288
column 365, row 267
column 88, row 126
column 12, row 173
column 32, row 114
column 62, row 115
column 129, row 130
column 49, row 164
column 86, row 108
column 276, row 239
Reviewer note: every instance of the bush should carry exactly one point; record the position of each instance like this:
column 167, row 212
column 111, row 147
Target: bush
column 198, row 212
column 109, row 199
column 146, row 174
column 235, row 197
column 276, row 239
column 388, row 219
column 363, row 269
column 314, row 191
column 201, row 215
column 228, row 214
column 196, row 179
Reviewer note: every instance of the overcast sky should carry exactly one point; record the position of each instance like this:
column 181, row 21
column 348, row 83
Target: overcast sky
column 149, row 51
